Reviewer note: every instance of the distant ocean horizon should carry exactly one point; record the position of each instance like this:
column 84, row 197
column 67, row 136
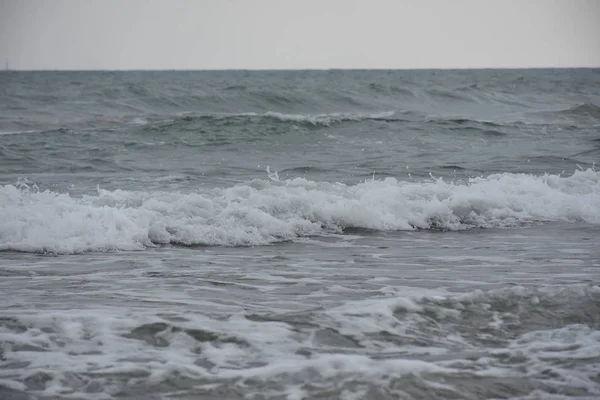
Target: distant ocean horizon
column 234, row 69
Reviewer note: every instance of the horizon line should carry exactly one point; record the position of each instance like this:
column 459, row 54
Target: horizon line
column 293, row 69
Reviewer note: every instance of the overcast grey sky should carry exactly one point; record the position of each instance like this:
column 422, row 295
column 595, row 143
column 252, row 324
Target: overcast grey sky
column 292, row 34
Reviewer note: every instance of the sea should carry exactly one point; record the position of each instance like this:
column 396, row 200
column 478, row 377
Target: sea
column 331, row 234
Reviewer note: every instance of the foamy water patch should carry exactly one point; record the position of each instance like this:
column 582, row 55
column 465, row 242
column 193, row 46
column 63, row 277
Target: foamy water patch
column 320, row 119
column 425, row 340
column 264, row 212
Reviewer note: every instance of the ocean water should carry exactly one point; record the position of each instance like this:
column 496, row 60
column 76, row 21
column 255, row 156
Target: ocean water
column 300, row 235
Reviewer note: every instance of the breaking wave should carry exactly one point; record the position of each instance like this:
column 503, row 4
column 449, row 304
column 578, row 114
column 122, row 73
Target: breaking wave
column 268, row 211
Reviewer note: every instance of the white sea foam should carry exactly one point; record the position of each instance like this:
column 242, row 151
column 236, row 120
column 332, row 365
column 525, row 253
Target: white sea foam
column 262, row 212
column 17, row 132
column 69, row 350
column 320, row 119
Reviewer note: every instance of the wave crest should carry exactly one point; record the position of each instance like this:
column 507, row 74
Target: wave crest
column 297, row 119
column 581, row 111
column 263, row 212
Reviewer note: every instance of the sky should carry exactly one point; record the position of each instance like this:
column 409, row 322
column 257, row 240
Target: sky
column 298, row 34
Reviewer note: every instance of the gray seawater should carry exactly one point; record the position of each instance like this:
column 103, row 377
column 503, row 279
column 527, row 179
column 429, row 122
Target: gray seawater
column 300, row 235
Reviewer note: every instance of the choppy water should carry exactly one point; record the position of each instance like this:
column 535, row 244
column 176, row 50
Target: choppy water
column 300, row 235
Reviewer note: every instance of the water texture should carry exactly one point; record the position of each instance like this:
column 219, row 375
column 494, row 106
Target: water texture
column 300, row 235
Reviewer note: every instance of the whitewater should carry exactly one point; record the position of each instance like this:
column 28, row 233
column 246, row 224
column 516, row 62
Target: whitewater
column 300, row 235
column 264, row 212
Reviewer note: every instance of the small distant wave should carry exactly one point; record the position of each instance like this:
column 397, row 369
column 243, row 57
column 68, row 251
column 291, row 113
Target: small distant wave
column 447, row 94
column 391, row 90
column 236, row 87
column 329, row 119
column 50, row 131
column 584, row 109
column 580, row 111
column 17, row 132
column 453, row 167
column 485, row 128
column 269, row 211
column 311, row 120
column 305, row 170
column 467, row 121
column 467, row 88
column 85, row 123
